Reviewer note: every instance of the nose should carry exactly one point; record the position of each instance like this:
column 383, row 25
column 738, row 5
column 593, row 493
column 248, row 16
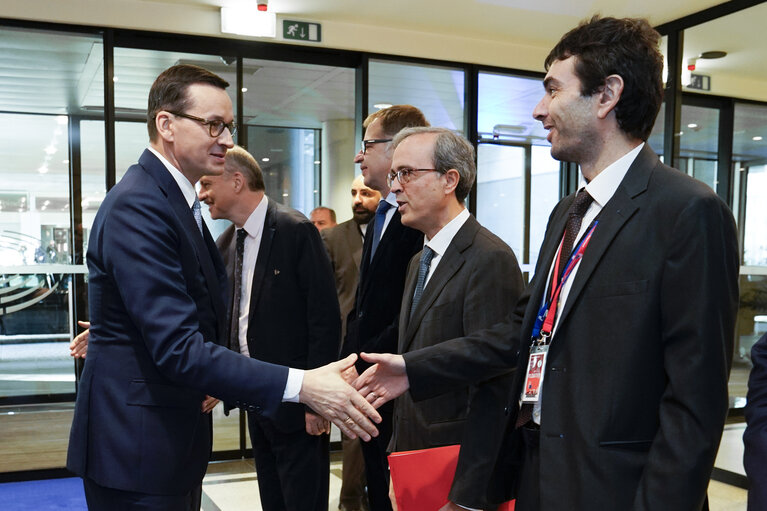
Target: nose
column 541, row 109
column 396, row 186
column 359, row 157
column 356, row 199
column 202, row 195
column 225, row 139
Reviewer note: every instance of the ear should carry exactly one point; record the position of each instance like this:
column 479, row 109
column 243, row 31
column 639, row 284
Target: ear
column 238, row 181
column 609, row 95
column 451, row 181
column 164, row 124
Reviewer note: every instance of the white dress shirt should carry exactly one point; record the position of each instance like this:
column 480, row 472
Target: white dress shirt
column 601, row 188
column 441, row 241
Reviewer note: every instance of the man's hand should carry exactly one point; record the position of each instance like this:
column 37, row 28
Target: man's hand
column 326, row 392
column 384, row 380
column 316, row 425
column 79, row 345
column 209, row 404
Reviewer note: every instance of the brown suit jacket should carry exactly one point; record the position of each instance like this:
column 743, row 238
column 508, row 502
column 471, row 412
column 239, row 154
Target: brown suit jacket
column 344, row 245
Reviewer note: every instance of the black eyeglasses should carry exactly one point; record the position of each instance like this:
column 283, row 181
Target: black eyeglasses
column 215, row 126
column 404, row 175
column 366, row 143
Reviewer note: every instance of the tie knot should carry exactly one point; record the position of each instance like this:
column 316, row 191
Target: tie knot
column 581, row 203
column 383, row 207
column 426, row 255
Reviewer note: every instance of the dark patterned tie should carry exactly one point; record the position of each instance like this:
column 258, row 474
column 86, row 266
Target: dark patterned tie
column 574, row 219
column 234, row 331
column 197, row 213
column 380, row 219
column 423, row 271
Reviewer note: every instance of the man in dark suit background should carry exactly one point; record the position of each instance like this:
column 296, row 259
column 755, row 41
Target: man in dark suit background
column 755, row 436
column 287, row 314
column 634, row 391
column 140, row 436
column 344, row 244
column 465, row 280
column 388, row 247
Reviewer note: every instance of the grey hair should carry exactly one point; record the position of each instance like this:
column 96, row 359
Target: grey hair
column 451, row 151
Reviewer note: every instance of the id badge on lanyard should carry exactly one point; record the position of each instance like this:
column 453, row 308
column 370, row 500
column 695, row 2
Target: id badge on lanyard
column 544, row 324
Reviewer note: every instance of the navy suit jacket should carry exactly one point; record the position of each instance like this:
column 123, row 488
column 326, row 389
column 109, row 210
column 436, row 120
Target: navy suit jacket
column 755, row 437
column 157, row 310
column 293, row 317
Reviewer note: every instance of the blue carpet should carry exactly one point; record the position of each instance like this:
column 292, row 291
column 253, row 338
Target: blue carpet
column 43, row 495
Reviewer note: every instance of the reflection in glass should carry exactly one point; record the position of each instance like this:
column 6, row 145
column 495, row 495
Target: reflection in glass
column 513, row 149
column 437, row 91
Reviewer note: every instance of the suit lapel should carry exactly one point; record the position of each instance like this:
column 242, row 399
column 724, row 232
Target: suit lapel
column 612, row 218
column 203, row 245
column 448, row 266
column 264, row 251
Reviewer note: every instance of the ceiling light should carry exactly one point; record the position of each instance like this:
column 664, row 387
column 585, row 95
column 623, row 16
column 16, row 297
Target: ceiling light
column 317, row 162
column 248, row 20
column 65, row 162
column 51, row 149
column 264, row 159
column 381, row 106
column 115, row 79
column 757, row 139
column 714, row 54
column 244, row 89
column 692, row 125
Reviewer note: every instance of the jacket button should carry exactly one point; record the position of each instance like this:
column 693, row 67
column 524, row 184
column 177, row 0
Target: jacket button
column 506, row 410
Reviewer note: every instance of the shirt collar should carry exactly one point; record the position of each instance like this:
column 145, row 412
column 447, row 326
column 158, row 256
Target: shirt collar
column 442, row 239
column 392, row 199
column 186, row 187
column 602, row 188
column 255, row 222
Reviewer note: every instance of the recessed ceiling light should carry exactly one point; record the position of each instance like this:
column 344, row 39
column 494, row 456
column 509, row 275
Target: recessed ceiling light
column 381, row 106
column 692, row 125
column 264, row 159
column 317, row 162
column 757, row 139
column 244, row 89
column 115, row 79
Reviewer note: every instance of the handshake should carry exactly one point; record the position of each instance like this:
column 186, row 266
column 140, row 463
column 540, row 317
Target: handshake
column 334, row 391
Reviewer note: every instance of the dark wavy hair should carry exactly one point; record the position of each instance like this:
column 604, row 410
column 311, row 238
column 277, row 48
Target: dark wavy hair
column 627, row 47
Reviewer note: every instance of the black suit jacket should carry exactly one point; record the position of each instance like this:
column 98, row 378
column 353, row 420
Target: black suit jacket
column 293, row 318
column 157, row 310
column 475, row 285
column 635, row 388
column 371, row 326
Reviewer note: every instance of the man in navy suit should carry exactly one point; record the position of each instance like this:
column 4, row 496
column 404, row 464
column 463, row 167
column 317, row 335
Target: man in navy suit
column 139, row 437
column 755, row 436
column 287, row 313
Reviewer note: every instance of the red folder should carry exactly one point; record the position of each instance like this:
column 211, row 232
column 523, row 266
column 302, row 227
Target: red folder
column 422, row 479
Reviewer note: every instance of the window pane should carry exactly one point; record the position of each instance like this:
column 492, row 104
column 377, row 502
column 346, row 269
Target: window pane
column 437, row 91
column 299, row 125
column 513, row 149
column 50, row 81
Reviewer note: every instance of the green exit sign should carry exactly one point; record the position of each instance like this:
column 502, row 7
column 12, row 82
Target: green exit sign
column 301, row 31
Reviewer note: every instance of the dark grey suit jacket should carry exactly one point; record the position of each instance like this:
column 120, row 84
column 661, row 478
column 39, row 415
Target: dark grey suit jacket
column 344, row 244
column 475, row 285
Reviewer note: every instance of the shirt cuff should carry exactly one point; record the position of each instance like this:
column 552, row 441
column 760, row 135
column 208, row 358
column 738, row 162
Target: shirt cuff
column 293, row 385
